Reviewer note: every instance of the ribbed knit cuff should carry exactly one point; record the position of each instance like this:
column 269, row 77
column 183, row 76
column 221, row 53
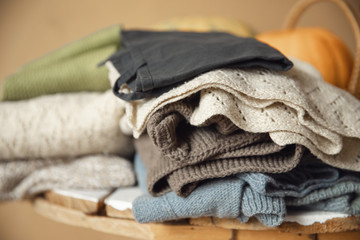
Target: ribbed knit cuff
column 182, row 180
column 268, row 210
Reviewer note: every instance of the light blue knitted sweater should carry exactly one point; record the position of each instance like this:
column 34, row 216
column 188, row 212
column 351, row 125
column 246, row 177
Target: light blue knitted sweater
column 312, row 185
column 228, row 197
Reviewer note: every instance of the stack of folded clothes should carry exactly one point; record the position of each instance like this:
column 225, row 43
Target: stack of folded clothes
column 311, row 186
column 63, row 130
column 229, row 127
column 224, row 126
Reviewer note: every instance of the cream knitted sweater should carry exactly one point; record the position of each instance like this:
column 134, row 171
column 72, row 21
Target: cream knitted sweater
column 294, row 107
column 25, row 178
column 63, row 125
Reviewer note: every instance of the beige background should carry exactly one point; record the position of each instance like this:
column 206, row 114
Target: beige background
column 31, row 28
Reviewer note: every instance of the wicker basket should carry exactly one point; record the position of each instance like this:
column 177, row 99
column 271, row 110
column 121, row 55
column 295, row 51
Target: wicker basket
column 353, row 18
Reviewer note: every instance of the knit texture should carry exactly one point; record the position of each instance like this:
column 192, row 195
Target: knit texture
column 63, row 125
column 312, row 185
column 25, row 178
column 72, row 68
column 293, row 107
column 227, row 197
column 342, row 197
column 180, row 155
column 318, row 187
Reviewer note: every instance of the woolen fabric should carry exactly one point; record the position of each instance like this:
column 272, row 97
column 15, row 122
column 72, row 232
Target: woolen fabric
column 21, row 179
column 296, row 106
column 180, row 155
column 63, row 125
column 228, row 197
column 315, row 186
column 72, row 68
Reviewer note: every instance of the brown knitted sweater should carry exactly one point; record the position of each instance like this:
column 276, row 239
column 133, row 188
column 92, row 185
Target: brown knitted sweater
column 177, row 155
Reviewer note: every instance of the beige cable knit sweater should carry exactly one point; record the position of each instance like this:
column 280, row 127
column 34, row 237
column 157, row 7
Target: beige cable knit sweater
column 63, row 125
column 25, row 178
column 297, row 106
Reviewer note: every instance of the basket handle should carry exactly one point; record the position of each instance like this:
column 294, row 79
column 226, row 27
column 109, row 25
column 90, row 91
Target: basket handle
column 294, row 15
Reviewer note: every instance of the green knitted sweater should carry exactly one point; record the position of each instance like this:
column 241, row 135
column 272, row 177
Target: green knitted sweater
column 72, row 68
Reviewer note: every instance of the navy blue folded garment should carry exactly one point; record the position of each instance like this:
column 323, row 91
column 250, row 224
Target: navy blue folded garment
column 150, row 63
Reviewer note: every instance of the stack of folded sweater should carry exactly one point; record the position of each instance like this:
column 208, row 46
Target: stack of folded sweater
column 224, row 128
column 63, row 130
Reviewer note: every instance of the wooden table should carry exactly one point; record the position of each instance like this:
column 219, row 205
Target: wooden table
column 109, row 212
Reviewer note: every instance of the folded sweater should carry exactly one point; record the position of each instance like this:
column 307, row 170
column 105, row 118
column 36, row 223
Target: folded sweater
column 72, row 68
column 179, row 155
column 152, row 62
column 312, row 186
column 63, row 125
column 25, row 178
column 226, row 197
column 264, row 196
column 293, row 107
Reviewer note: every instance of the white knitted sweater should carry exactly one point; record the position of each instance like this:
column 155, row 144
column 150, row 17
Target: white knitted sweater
column 63, row 125
column 25, row 178
column 297, row 106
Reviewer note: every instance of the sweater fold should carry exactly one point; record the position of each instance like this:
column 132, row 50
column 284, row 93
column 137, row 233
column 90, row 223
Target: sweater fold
column 63, row 125
column 293, row 107
column 177, row 155
column 266, row 197
column 72, row 68
column 21, row 179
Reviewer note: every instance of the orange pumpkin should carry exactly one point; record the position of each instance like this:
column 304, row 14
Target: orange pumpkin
column 317, row 46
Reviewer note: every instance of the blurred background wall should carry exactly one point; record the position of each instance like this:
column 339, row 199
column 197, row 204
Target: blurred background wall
column 32, row 28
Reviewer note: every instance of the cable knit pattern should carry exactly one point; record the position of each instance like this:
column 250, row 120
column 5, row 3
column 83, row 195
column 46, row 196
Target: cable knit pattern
column 179, row 155
column 25, row 178
column 294, row 107
column 63, row 125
